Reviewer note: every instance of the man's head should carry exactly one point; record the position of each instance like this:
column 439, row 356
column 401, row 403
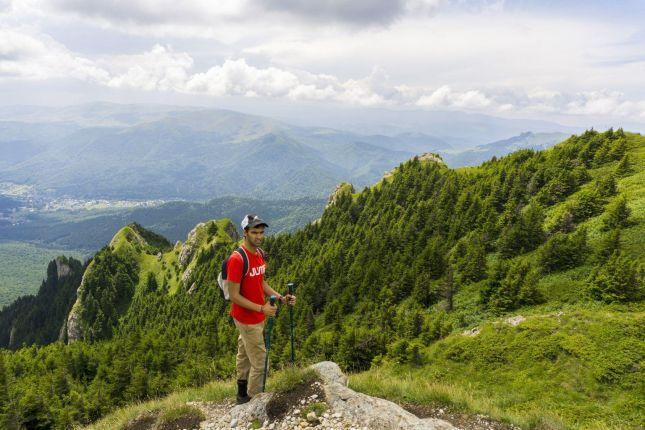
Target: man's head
column 253, row 229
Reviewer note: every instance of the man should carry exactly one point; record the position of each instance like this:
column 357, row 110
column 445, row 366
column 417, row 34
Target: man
column 249, row 307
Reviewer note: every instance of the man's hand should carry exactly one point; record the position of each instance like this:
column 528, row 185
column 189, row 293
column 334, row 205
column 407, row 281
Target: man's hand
column 269, row 310
column 289, row 299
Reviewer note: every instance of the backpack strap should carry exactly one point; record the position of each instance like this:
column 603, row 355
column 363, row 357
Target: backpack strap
column 263, row 254
column 245, row 263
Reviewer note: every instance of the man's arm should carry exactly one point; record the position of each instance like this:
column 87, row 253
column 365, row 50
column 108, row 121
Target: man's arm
column 291, row 299
column 240, row 300
column 270, row 291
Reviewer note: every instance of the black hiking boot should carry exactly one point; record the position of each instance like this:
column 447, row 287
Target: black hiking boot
column 242, row 396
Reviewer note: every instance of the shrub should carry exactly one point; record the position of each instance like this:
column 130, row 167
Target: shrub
column 523, row 235
column 619, row 280
column 586, row 204
column 358, row 346
column 606, row 185
column 617, row 214
column 436, row 327
column 403, row 351
column 563, row 251
column 510, row 286
column 608, row 245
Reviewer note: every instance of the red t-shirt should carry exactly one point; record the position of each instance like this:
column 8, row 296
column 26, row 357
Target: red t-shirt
column 251, row 288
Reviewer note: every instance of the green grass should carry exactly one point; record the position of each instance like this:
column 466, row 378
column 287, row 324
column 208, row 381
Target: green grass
column 174, row 405
column 318, row 407
column 215, row 391
column 23, row 266
column 288, row 378
column 175, row 413
column 579, row 368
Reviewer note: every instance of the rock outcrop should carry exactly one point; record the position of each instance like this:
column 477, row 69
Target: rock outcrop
column 12, row 336
column 368, row 411
column 230, row 229
column 342, row 188
column 189, row 247
column 72, row 326
column 185, row 278
column 343, row 408
column 62, row 268
column 427, row 157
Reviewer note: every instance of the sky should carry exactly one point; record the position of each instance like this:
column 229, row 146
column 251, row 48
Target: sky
column 572, row 62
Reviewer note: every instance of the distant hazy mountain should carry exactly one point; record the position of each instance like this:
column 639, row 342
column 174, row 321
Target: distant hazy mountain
column 196, row 155
column 459, row 129
column 481, row 153
column 113, row 151
column 92, row 114
column 20, row 141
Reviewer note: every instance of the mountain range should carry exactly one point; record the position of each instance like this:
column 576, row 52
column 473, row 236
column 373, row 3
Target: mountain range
column 114, row 151
column 522, row 275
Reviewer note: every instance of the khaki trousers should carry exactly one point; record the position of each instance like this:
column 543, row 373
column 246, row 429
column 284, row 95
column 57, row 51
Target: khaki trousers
column 251, row 353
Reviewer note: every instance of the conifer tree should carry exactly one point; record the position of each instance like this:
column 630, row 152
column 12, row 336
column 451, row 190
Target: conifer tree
column 606, row 185
column 523, row 235
column 617, row 215
column 620, row 279
column 586, row 204
column 563, row 251
column 624, row 166
column 34, row 413
column 510, row 286
column 608, row 245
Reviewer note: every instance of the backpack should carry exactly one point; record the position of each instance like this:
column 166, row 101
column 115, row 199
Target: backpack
column 222, row 278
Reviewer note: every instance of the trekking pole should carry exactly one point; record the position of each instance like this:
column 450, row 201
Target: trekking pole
column 267, row 343
column 293, row 351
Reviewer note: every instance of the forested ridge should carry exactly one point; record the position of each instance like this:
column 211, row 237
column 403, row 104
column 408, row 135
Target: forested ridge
column 389, row 276
column 37, row 319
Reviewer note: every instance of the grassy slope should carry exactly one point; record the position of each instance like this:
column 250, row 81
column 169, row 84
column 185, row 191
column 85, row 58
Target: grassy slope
column 570, row 364
column 572, row 368
column 126, row 242
column 215, row 391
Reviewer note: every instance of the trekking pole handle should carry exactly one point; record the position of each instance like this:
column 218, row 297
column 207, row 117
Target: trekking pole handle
column 290, row 287
column 272, row 300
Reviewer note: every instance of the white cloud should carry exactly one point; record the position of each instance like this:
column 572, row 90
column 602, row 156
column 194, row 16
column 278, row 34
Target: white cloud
column 39, row 57
column 159, row 69
column 398, row 53
column 5, row 6
column 151, row 12
column 445, row 97
column 237, row 78
column 25, row 56
column 605, row 103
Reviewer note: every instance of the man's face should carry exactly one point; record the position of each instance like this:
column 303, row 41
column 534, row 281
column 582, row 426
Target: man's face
column 255, row 235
